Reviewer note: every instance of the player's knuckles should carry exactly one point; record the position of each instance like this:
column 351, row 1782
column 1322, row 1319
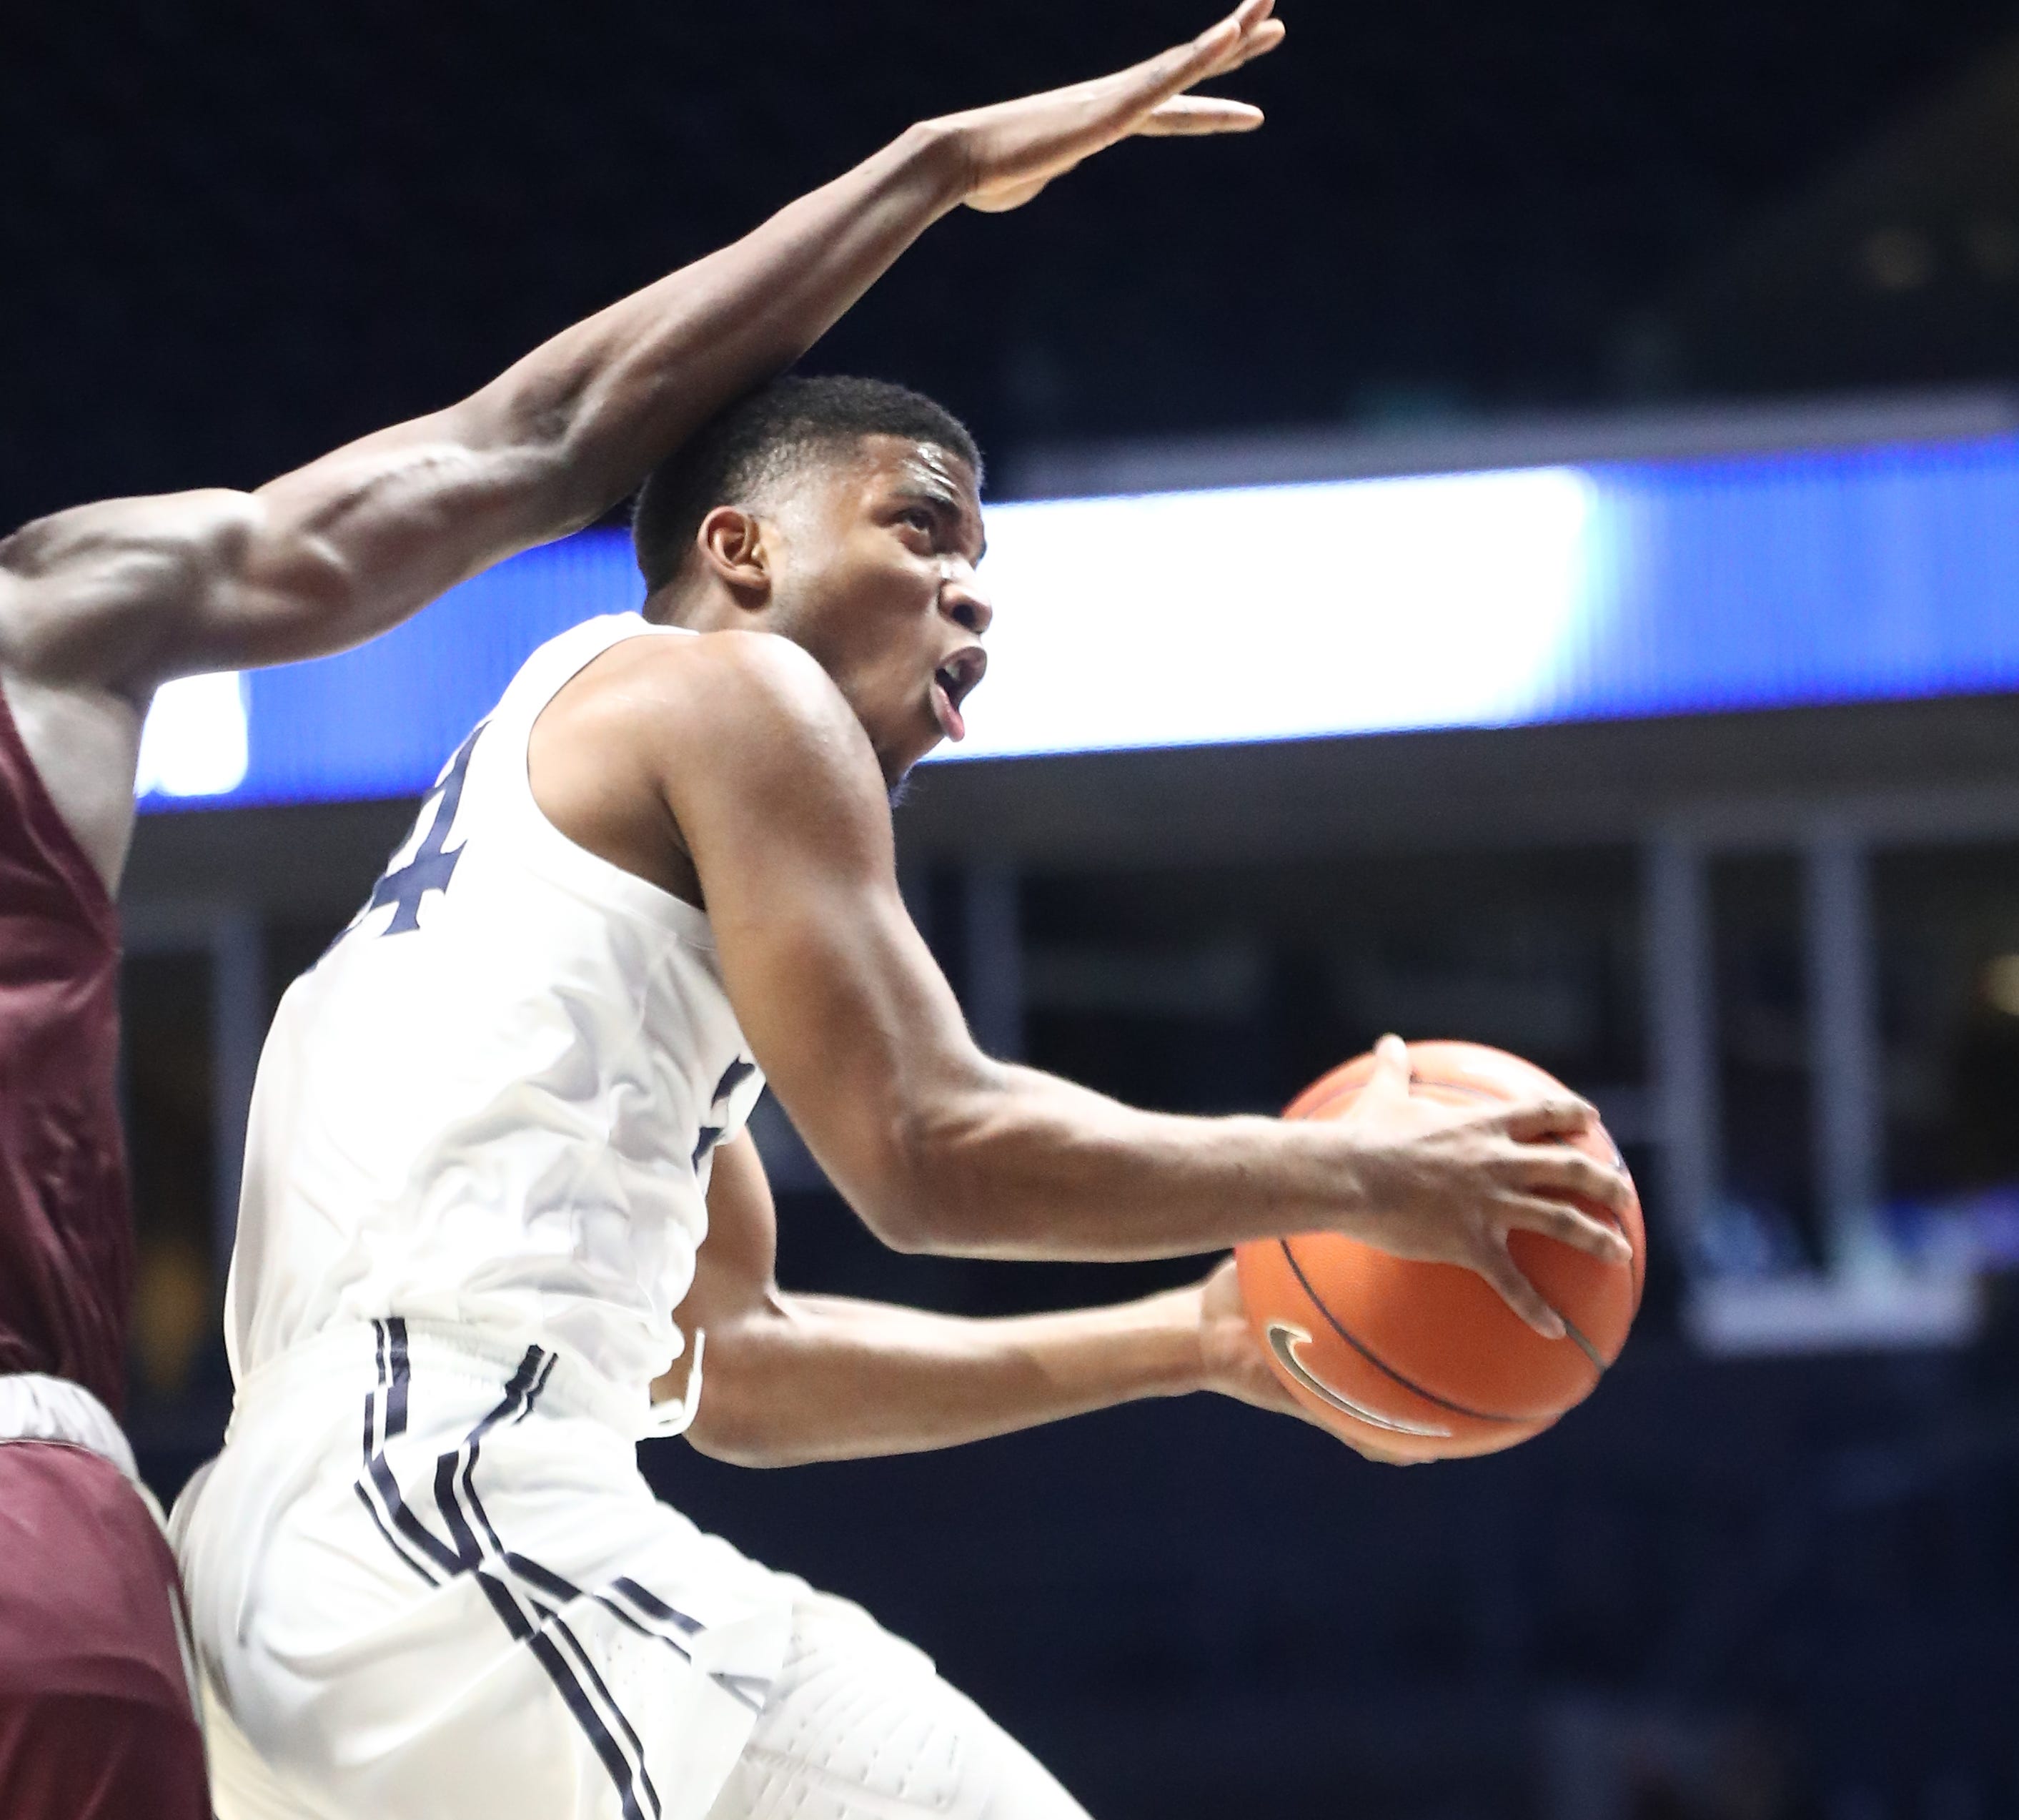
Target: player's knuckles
column 1569, row 1172
column 1592, row 1180
column 1587, row 1235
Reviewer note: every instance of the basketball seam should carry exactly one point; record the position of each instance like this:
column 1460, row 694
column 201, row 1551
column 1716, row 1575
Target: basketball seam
column 1381, row 1364
column 1637, row 1273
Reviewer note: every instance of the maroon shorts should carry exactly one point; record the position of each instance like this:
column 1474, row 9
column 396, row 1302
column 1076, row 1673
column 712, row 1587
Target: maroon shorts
column 95, row 1719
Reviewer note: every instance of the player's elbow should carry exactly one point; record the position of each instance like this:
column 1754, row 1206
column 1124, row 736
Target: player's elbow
column 725, row 1428
column 905, row 1206
column 933, row 1201
column 745, row 1413
column 901, row 1220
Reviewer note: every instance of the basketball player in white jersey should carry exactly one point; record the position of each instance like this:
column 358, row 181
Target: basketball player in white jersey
column 100, row 604
column 498, row 1142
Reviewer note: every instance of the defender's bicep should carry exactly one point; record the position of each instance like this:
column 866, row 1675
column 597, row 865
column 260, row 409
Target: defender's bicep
column 105, row 596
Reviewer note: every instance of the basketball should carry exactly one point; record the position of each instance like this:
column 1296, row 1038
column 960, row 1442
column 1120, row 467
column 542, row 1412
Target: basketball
column 1424, row 1361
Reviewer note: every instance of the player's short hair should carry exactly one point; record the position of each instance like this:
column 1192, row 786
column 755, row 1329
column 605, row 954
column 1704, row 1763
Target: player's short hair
column 764, row 437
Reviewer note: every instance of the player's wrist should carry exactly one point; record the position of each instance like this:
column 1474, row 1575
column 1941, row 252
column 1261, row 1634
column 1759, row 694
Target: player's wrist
column 1331, row 1175
column 1171, row 1358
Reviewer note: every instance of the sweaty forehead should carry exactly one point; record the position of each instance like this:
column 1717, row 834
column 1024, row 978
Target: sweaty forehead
column 897, row 467
column 898, row 460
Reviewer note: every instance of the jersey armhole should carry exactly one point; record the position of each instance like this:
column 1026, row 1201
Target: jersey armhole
column 568, row 861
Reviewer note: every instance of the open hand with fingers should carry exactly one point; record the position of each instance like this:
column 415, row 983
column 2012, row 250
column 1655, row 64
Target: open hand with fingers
column 1449, row 1184
column 1010, row 151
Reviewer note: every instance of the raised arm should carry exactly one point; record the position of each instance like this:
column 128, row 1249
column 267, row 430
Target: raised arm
column 126, row 593
column 774, row 792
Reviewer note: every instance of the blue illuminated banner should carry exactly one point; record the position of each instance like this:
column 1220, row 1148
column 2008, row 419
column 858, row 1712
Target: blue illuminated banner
column 1239, row 615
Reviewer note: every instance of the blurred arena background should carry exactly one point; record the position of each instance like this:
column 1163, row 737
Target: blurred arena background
column 1642, row 701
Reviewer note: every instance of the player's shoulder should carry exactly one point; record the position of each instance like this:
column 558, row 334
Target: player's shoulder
column 751, row 710
column 739, row 676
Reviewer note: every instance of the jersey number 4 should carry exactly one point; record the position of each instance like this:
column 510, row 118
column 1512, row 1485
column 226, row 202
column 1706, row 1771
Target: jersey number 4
column 432, row 867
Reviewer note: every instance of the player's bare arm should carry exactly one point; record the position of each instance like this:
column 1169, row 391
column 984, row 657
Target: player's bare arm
column 731, row 769
column 99, row 604
column 794, row 1378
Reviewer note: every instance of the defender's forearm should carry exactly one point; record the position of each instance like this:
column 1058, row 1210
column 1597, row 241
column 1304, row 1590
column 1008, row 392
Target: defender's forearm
column 614, row 394
column 816, row 1377
column 337, row 551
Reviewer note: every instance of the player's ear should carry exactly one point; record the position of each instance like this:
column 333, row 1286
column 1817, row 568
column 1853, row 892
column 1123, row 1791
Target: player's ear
column 737, row 550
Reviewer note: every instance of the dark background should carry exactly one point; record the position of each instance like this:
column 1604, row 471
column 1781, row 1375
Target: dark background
column 235, row 235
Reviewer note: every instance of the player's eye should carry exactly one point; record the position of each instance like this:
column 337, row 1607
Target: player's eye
column 918, row 518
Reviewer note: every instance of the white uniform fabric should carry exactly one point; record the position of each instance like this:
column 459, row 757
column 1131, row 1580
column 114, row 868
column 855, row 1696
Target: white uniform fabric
column 494, row 1101
column 427, row 1583
column 859, row 1726
column 427, row 1580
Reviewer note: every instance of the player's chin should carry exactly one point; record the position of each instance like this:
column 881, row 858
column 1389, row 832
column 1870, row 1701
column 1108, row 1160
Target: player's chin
column 926, row 737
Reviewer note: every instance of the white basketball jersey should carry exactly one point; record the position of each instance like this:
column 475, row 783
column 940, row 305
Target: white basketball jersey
column 495, row 1100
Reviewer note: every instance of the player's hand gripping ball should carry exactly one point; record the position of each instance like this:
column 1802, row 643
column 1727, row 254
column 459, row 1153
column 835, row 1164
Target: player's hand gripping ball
column 1421, row 1361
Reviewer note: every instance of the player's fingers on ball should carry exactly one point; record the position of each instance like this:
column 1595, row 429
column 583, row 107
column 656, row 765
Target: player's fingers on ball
column 1499, row 1269
column 1560, row 1170
column 1390, row 1078
column 1552, row 1115
column 1191, row 116
column 1569, row 1225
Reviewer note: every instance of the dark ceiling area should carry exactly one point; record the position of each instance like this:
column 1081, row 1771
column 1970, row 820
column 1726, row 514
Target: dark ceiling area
column 237, row 234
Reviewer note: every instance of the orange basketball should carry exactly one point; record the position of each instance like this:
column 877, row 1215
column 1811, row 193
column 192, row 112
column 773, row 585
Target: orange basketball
column 1425, row 1360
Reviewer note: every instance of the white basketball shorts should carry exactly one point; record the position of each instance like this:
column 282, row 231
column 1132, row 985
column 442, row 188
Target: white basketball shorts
column 427, row 1581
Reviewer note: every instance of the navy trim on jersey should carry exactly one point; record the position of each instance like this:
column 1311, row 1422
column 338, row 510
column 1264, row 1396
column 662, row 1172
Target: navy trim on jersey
column 377, row 1489
column 395, row 1397
column 551, row 1642
column 709, row 1135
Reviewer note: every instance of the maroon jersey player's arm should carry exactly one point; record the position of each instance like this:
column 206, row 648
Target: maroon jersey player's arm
column 100, row 604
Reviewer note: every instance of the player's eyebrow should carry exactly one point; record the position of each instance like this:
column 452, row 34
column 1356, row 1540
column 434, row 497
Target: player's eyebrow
column 944, row 503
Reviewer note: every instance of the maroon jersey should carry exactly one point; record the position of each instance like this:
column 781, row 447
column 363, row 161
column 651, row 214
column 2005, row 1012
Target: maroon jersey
column 65, row 1229
column 94, row 1717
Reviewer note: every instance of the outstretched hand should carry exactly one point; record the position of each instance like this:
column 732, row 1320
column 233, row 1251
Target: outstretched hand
column 1012, row 151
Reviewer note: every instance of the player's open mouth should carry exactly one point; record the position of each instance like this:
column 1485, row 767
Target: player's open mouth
column 953, row 682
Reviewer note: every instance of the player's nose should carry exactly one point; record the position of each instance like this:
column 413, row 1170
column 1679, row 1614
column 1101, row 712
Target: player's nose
column 964, row 601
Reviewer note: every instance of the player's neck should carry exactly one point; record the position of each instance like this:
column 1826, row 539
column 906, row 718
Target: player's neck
column 701, row 609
